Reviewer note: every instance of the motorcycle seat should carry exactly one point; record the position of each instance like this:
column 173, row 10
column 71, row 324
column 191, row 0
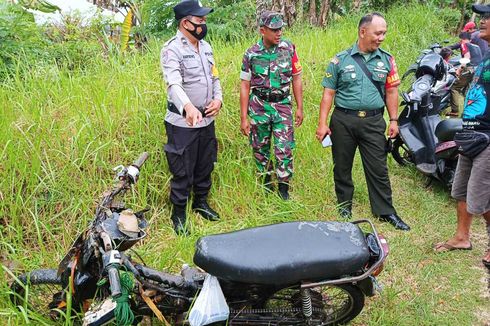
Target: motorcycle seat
column 446, row 129
column 284, row 253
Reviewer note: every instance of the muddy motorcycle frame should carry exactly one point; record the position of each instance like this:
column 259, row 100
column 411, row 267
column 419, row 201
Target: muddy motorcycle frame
column 297, row 273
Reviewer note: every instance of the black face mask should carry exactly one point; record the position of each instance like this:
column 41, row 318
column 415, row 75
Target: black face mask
column 204, row 30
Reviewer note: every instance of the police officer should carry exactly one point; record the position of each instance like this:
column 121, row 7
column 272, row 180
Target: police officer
column 268, row 68
column 361, row 81
column 194, row 100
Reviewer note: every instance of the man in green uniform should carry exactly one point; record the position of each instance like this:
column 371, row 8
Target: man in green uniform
column 268, row 69
column 361, row 81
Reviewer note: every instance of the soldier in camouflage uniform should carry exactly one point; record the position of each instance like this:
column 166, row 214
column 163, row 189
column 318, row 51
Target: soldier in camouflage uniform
column 268, row 69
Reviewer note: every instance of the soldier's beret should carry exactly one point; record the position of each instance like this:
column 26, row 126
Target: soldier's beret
column 271, row 19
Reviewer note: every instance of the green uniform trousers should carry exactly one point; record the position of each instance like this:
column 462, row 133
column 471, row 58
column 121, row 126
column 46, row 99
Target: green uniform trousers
column 368, row 133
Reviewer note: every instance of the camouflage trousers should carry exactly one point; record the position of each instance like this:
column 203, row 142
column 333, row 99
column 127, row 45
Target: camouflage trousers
column 272, row 121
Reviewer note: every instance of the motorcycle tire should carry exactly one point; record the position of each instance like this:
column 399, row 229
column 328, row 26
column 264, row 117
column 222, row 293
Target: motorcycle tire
column 332, row 305
column 350, row 303
column 401, row 153
column 36, row 291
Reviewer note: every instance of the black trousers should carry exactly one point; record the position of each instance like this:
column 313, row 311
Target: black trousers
column 348, row 133
column 191, row 154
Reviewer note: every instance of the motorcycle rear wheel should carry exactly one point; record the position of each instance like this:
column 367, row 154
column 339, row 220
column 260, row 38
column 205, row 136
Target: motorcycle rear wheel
column 36, row 291
column 332, row 305
column 401, row 153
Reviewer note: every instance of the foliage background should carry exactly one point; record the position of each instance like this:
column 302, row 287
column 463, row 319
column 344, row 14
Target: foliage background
column 74, row 107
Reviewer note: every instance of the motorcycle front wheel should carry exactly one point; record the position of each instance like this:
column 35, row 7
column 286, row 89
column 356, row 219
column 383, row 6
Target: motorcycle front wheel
column 401, row 153
column 330, row 305
column 37, row 292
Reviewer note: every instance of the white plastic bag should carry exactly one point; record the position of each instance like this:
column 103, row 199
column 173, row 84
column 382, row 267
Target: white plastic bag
column 210, row 305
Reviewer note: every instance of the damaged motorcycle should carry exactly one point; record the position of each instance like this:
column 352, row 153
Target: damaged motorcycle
column 296, row 273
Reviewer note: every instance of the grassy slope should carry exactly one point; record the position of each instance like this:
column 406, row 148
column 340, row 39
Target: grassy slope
column 61, row 135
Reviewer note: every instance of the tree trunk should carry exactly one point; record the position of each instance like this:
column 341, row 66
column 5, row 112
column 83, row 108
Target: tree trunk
column 299, row 10
column 356, row 5
column 289, row 12
column 261, row 5
column 324, row 10
column 286, row 7
column 312, row 12
column 277, row 5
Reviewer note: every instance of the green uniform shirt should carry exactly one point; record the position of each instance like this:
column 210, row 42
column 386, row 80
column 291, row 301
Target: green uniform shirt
column 353, row 89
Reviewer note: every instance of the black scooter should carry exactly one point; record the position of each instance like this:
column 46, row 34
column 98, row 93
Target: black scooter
column 425, row 140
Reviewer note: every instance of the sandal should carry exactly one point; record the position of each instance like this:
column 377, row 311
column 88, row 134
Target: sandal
column 444, row 246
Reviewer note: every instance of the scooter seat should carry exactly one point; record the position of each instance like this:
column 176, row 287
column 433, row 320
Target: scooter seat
column 446, row 129
column 284, row 253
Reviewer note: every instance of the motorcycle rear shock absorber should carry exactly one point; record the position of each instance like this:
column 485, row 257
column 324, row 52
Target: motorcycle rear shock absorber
column 306, row 304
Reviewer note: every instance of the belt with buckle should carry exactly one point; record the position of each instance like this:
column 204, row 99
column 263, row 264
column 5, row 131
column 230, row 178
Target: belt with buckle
column 269, row 97
column 361, row 113
column 172, row 108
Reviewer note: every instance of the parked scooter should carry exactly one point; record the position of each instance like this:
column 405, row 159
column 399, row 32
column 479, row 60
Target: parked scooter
column 425, row 139
column 442, row 89
column 297, row 273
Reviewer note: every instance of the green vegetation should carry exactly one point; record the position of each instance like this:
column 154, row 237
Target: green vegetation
column 64, row 127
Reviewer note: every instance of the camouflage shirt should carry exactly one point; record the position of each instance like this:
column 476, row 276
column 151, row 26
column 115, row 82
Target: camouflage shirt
column 270, row 70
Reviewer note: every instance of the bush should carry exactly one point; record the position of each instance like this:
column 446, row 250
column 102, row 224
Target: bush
column 231, row 20
column 19, row 38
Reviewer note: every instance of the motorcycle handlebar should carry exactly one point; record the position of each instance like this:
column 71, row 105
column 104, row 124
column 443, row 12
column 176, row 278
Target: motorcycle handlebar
column 141, row 160
column 114, row 281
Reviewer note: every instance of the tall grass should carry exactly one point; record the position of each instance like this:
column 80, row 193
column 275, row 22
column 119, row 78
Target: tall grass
column 61, row 133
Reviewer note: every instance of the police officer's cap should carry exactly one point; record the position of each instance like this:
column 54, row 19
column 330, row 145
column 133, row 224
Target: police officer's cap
column 190, row 8
column 481, row 9
column 271, row 19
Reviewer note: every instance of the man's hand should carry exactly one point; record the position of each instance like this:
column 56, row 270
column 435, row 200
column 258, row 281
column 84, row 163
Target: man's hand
column 322, row 131
column 299, row 117
column 192, row 115
column 393, row 129
column 245, row 127
column 212, row 109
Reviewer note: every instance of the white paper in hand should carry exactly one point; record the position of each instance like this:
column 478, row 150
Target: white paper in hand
column 326, row 141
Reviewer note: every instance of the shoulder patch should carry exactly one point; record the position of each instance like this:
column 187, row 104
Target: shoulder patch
column 341, row 54
column 335, row 60
column 286, row 44
column 385, row 52
column 206, row 45
column 170, row 41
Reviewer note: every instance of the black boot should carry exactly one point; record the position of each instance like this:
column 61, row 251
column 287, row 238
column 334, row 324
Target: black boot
column 345, row 211
column 268, row 183
column 179, row 218
column 283, row 190
column 396, row 221
column 201, row 206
